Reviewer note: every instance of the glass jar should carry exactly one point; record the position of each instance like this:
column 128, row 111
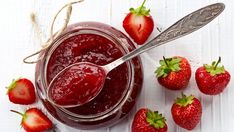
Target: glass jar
column 101, row 44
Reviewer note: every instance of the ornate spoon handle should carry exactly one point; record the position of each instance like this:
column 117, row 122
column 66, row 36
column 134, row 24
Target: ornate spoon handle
column 184, row 26
column 189, row 24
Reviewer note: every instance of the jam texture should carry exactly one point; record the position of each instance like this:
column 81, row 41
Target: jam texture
column 77, row 85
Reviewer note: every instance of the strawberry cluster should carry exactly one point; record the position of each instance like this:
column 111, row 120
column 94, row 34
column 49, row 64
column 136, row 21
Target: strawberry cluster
column 22, row 91
column 174, row 74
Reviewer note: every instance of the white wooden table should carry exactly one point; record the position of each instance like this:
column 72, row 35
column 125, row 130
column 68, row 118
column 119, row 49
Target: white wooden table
column 18, row 39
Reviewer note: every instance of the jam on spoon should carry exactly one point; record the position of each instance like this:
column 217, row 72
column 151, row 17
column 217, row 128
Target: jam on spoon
column 81, row 82
column 78, row 84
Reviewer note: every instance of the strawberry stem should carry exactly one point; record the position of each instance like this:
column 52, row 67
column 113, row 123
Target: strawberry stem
column 165, row 60
column 217, row 63
column 142, row 5
column 17, row 112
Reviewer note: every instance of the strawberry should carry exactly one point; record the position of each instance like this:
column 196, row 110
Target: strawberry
column 174, row 73
column 187, row 111
column 34, row 120
column 146, row 120
column 21, row 91
column 139, row 24
column 212, row 79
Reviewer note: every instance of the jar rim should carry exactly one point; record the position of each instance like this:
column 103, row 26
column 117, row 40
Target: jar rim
column 90, row 28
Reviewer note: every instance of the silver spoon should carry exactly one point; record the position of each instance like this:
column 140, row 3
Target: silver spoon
column 184, row 26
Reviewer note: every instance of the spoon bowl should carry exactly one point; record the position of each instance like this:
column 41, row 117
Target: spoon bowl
column 76, row 85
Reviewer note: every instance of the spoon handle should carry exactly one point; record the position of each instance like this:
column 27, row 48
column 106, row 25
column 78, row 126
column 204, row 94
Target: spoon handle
column 184, row 26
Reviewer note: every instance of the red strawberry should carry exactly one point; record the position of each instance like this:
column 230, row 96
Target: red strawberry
column 21, row 91
column 146, row 120
column 139, row 24
column 174, row 73
column 187, row 111
column 212, row 79
column 34, row 120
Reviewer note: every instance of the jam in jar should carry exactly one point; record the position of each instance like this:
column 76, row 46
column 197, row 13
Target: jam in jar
column 99, row 44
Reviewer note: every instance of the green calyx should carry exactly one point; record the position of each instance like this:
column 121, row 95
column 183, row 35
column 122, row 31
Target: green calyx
column 141, row 10
column 214, row 69
column 12, row 85
column 168, row 65
column 184, row 100
column 24, row 116
column 155, row 119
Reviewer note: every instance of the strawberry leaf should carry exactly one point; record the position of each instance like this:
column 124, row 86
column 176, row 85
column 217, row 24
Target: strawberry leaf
column 141, row 10
column 168, row 65
column 155, row 119
column 160, row 72
column 213, row 63
column 214, row 69
column 184, row 100
column 12, row 85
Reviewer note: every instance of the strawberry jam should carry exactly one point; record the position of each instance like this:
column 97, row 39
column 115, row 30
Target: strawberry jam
column 98, row 50
column 77, row 85
column 99, row 44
